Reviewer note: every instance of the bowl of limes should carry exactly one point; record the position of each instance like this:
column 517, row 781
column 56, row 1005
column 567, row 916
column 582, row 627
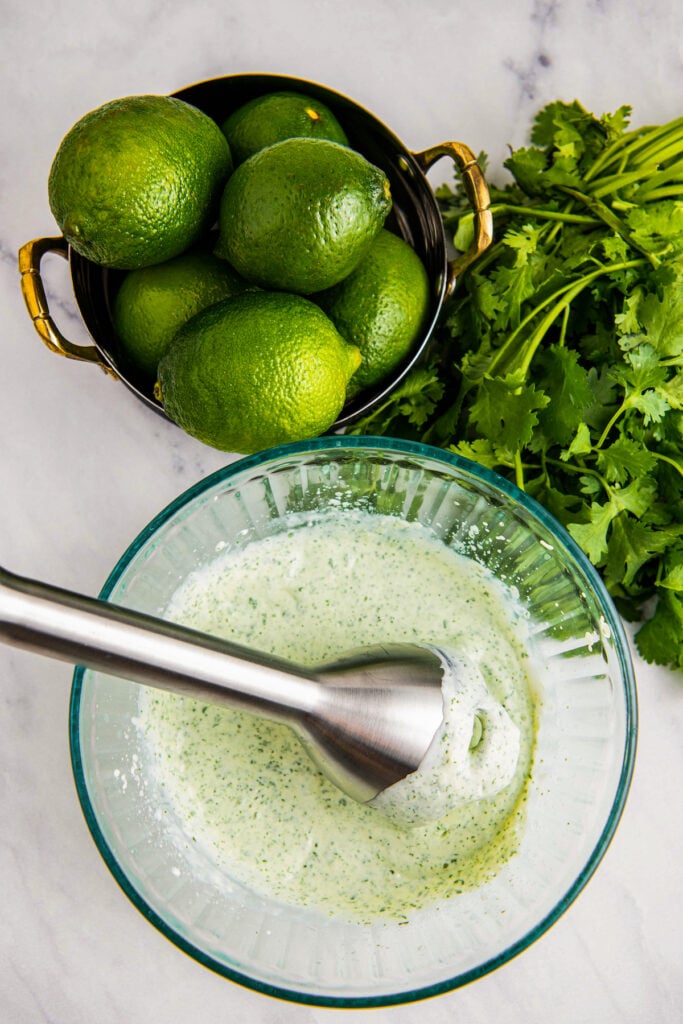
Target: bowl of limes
column 257, row 257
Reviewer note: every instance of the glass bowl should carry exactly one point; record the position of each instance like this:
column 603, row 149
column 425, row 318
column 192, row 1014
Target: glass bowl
column 583, row 760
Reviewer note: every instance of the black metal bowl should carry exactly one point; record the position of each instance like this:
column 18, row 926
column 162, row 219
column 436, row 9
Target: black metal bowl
column 415, row 216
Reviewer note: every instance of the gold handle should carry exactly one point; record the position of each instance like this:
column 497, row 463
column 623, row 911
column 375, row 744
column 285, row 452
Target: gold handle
column 30, row 256
column 477, row 193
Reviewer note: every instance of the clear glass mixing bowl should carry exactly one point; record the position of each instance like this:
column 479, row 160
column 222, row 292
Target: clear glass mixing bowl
column 583, row 761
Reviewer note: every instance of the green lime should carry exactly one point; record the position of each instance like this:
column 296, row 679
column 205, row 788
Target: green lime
column 278, row 116
column 137, row 180
column 257, row 370
column 381, row 307
column 301, row 214
column 154, row 302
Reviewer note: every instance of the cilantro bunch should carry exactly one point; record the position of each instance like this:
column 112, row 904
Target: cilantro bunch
column 558, row 359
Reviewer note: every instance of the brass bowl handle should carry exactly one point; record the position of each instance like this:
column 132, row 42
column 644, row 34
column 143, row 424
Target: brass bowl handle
column 30, row 256
column 477, row 193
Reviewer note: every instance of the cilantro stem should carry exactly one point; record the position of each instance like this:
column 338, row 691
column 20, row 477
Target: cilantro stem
column 614, row 182
column 625, row 405
column 519, row 470
column 538, row 335
column 540, row 212
column 660, row 178
column 553, row 233
column 606, row 157
column 665, row 458
column 638, row 145
column 611, row 220
column 563, row 329
column 501, row 351
column 663, row 193
column 651, row 172
column 562, row 297
column 489, row 256
column 671, row 133
column 584, row 470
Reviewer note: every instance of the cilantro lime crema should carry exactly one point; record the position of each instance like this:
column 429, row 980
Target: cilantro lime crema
column 245, row 789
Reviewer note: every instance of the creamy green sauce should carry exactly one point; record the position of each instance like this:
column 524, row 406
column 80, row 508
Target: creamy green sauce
column 245, row 789
column 473, row 755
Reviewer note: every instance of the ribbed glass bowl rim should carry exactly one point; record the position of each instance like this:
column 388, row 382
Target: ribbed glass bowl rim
column 574, row 555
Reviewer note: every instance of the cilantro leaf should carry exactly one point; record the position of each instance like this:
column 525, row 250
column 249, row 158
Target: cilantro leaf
column 581, row 443
column 482, row 451
column 592, row 536
column 414, row 401
column 662, row 320
column 672, row 391
column 658, row 226
column 644, row 381
column 636, row 497
column 659, row 640
column 632, row 545
column 528, row 166
column 625, row 458
column 567, row 387
column 673, row 577
column 506, row 413
column 513, row 284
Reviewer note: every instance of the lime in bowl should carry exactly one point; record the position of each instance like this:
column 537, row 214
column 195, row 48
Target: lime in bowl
column 218, row 827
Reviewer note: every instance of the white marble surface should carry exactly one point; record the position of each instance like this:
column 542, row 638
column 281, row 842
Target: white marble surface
column 83, row 466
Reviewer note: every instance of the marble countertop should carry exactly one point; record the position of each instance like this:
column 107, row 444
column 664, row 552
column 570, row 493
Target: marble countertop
column 83, row 467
